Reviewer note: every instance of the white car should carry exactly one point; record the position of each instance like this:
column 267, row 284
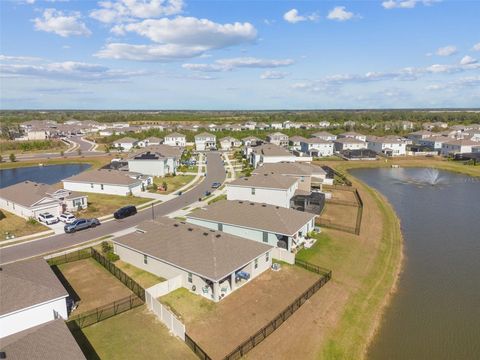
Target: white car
column 47, row 218
column 67, row 218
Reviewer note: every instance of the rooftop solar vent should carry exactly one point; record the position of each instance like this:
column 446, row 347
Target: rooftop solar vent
column 190, row 229
column 205, row 234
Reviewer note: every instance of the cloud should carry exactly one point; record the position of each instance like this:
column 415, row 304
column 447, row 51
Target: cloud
column 273, row 75
column 233, row 63
column 468, row 60
column 339, row 13
column 476, row 47
column 292, row 16
column 127, row 10
column 178, row 38
column 18, row 58
column 406, row 4
column 67, row 70
column 446, row 50
column 57, row 22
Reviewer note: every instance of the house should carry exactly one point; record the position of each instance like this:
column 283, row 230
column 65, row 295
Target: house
column 175, row 139
column 461, row 146
column 227, row 143
column 360, row 154
column 420, row 135
column 325, row 136
column 349, row 124
column 323, row 124
column 50, row 340
column 352, row 135
column 433, row 142
column 150, row 141
column 317, row 147
column 265, row 188
column 268, row 224
column 349, row 143
column 278, row 139
column 251, row 141
column 250, row 125
column 30, row 295
column 269, row 153
column 125, row 143
column 156, row 160
column 276, row 125
column 262, row 126
column 205, row 141
column 388, row 145
column 295, row 142
column 208, row 262
column 110, row 182
column 29, row 199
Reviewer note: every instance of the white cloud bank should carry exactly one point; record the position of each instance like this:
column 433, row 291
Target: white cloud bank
column 273, row 75
column 476, row 47
column 242, row 62
column 57, row 22
column 406, row 4
column 446, row 50
column 292, row 16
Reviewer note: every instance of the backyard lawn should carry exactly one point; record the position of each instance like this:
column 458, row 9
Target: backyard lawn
column 173, row 182
column 343, row 215
column 135, row 334
column 242, row 313
column 142, row 277
column 101, row 205
column 92, row 284
column 18, row 226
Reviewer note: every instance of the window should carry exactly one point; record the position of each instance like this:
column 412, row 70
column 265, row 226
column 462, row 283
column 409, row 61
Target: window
column 253, row 191
column 265, row 237
column 190, row 278
column 91, row 185
column 267, row 257
column 101, row 186
column 256, row 264
column 145, row 259
column 220, row 227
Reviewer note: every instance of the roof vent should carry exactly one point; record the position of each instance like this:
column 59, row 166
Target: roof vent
column 277, row 207
column 265, row 174
column 252, row 204
column 205, row 234
column 190, row 229
column 217, row 236
column 240, row 202
column 264, row 205
column 176, row 225
column 182, row 222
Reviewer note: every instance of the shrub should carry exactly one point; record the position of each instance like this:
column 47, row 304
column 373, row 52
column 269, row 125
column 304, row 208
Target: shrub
column 32, row 221
column 106, row 247
column 165, row 185
column 62, row 153
column 154, row 187
column 113, row 257
column 13, row 158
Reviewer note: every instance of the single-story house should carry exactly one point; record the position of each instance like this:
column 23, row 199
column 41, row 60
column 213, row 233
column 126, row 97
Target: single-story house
column 460, row 146
column 126, row 143
column 50, row 340
column 317, row 147
column 269, row 153
column 349, row 143
column 30, row 295
column 155, row 160
column 175, row 139
column 264, row 188
column 150, row 141
column 205, row 141
column 229, row 142
column 353, row 135
column 389, row 146
column 268, row 224
column 110, row 182
column 278, row 138
column 325, row 136
column 208, row 261
column 29, row 199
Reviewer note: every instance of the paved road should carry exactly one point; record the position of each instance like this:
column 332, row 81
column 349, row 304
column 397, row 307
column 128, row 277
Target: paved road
column 215, row 173
column 84, row 145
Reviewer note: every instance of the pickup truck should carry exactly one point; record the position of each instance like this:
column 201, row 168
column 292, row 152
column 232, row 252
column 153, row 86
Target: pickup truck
column 81, row 224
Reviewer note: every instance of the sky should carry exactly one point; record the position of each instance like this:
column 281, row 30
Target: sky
column 239, row 54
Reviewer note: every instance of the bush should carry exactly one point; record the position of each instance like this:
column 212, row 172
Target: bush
column 165, row 186
column 32, row 221
column 106, row 247
column 112, row 257
column 154, row 187
column 13, row 158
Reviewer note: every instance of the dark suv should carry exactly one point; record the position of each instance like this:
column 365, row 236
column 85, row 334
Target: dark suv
column 125, row 211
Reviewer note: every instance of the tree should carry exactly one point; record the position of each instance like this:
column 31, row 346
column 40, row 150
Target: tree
column 62, row 153
column 107, row 149
column 13, row 157
column 165, row 186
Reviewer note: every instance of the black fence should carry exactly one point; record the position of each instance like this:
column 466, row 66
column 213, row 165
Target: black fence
column 358, row 223
column 69, row 257
column 104, row 312
column 312, row 267
column 273, row 325
column 197, row 350
column 119, row 274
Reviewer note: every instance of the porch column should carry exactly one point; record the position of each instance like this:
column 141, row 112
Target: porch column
column 232, row 281
column 289, row 242
column 216, row 291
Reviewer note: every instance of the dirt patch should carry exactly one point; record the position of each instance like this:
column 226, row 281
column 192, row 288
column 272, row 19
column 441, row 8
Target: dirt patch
column 93, row 284
column 238, row 316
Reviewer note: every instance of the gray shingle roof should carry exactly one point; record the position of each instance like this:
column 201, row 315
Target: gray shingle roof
column 51, row 340
column 161, row 151
column 26, row 193
column 289, row 168
column 27, row 283
column 208, row 253
column 113, row 177
column 258, row 216
column 267, row 181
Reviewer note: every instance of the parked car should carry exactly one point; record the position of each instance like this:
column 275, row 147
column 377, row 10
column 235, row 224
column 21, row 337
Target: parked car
column 179, row 193
column 47, row 218
column 125, row 211
column 208, row 193
column 81, row 224
column 67, row 218
column 216, row 185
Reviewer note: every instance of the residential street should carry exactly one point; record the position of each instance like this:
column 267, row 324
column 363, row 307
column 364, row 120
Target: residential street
column 215, row 173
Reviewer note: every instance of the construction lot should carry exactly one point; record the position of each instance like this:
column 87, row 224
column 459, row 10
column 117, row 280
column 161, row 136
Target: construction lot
column 91, row 285
column 220, row 327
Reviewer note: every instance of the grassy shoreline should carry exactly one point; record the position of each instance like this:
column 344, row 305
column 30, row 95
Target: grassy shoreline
column 96, row 162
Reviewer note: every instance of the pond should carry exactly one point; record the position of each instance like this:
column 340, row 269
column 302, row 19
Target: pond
column 435, row 313
column 51, row 174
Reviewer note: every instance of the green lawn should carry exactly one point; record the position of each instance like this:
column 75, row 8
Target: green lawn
column 18, row 226
column 173, row 182
column 135, row 334
column 142, row 277
column 101, row 205
column 96, row 162
column 218, row 198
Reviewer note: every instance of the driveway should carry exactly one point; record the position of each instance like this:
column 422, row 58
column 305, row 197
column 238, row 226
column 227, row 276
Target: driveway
column 215, row 173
